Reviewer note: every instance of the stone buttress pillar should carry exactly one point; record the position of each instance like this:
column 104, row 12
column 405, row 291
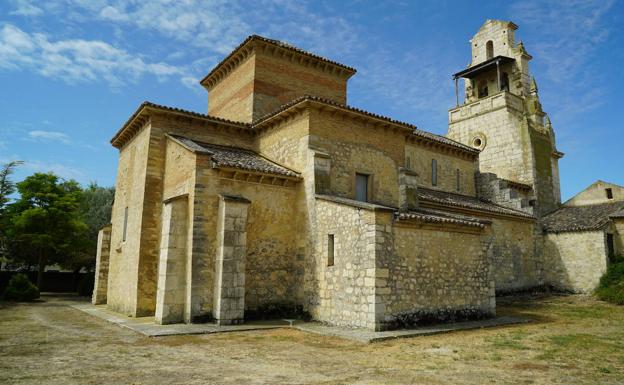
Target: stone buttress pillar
column 229, row 291
column 170, row 294
column 100, row 287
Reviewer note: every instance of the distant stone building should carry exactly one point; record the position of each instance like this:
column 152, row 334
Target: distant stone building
column 284, row 198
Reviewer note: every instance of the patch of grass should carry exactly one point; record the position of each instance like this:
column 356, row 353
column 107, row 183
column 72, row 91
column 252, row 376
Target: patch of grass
column 510, row 341
column 611, row 287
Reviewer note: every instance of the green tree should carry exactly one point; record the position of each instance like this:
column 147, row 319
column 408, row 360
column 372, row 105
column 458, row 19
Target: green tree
column 7, row 187
column 95, row 211
column 45, row 225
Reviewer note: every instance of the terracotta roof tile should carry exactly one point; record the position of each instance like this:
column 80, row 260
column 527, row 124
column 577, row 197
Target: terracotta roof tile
column 465, row 201
column 415, row 130
column 441, row 217
column 235, row 157
column 581, row 218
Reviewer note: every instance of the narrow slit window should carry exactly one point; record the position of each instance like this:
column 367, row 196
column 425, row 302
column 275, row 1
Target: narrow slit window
column 434, row 172
column 458, row 180
column 408, row 163
column 609, row 193
column 125, row 224
column 361, row 187
column 330, row 249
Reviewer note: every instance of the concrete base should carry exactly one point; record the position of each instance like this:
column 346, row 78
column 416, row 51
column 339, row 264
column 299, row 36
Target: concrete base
column 146, row 326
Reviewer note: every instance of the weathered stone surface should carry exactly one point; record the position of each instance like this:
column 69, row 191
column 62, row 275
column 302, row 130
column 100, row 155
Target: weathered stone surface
column 444, row 226
column 100, row 287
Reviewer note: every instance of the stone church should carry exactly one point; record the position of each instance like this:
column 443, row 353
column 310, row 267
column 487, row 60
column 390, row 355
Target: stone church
column 285, row 199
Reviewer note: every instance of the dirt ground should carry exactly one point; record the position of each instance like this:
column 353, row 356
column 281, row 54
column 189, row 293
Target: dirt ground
column 574, row 340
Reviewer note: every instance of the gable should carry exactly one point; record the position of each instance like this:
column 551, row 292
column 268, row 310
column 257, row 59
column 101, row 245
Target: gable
column 596, row 193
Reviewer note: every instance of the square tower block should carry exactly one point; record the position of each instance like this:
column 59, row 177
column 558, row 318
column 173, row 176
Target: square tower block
column 263, row 74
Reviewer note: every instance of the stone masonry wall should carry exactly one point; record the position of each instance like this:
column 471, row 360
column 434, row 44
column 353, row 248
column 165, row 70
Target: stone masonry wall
column 274, row 262
column 124, row 256
column 229, row 282
column 575, row 261
column 420, row 159
column 618, row 227
column 437, row 273
column 596, row 194
column 497, row 120
column 344, row 294
column 100, row 286
column 279, row 80
column 171, row 289
column 233, row 97
column 514, row 255
column 354, row 148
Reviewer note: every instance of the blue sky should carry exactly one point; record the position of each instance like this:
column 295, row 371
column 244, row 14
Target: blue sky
column 72, row 71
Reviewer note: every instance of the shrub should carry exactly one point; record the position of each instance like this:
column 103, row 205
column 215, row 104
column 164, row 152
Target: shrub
column 85, row 285
column 611, row 287
column 20, row 289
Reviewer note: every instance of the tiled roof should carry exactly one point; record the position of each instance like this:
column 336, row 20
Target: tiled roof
column 415, row 131
column 437, row 216
column 619, row 214
column 354, row 203
column 235, row 157
column 149, row 105
column 465, row 201
column 279, row 44
column 581, row 218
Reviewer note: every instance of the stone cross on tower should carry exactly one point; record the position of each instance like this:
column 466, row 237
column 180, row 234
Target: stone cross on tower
column 502, row 116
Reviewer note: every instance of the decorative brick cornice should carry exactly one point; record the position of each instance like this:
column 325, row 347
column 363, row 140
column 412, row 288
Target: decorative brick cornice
column 274, row 48
column 143, row 114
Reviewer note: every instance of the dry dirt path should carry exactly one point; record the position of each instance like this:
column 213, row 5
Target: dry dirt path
column 575, row 340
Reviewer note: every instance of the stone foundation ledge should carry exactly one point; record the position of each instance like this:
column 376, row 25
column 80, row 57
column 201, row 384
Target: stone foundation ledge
column 147, row 327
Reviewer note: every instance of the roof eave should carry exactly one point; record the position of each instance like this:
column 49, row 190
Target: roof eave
column 232, row 59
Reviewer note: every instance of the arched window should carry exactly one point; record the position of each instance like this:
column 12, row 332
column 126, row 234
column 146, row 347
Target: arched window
column 489, row 49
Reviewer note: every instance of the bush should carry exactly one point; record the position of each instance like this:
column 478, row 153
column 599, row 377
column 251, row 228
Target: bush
column 20, row 289
column 85, row 285
column 611, row 287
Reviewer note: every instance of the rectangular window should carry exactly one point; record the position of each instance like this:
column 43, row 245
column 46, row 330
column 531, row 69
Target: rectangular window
column 610, row 246
column 609, row 193
column 408, row 163
column 361, row 187
column 458, row 179
column 434, row 172
column 125, row 224
column 330, row 249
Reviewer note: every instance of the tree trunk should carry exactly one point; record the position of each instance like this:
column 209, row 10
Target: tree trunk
column 42, row 265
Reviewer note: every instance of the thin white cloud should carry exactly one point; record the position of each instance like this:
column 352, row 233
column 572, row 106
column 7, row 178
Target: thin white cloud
column 26, row 8
column 566, row 40
column 76, row 60
column 49, row 135
column 62, row 170
column 571, row 33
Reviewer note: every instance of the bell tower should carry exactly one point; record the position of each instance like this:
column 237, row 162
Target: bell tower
column 501, row 115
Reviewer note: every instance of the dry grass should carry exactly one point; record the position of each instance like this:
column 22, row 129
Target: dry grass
column 575, row 340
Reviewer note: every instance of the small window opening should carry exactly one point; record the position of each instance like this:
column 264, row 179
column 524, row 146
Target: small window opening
column 477, row 142
column 330, row 249
column 609, row 193
column 458, row 180
column 489, row 49
column 125, row 224
column 483, row 89
column 361, row 187
column 434, row 172
column 408, row 163
column 505, row 82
